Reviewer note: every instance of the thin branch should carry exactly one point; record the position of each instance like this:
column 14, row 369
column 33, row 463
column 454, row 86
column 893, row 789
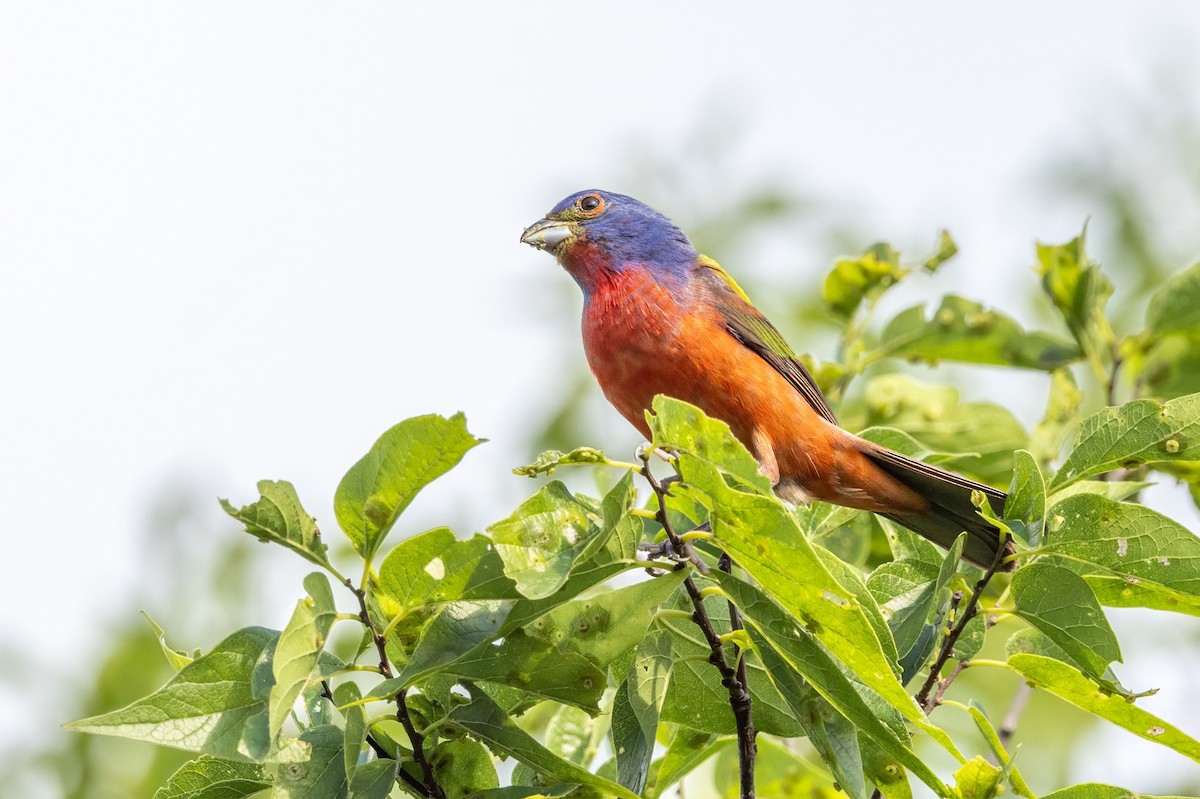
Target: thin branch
column 734, row 679
column 1009, row 726
column 430, row 788
column 926, row 698
column 377, row 747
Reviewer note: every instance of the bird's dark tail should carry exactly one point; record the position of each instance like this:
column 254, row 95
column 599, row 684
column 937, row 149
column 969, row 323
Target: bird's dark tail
column 951, row 511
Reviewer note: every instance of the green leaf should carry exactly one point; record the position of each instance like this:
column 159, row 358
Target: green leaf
column 864, row 278
column 435, row 567
column 779, row 773
column 946, row 249
column 541, row 540
column 836, row 739
column 1094, row 790
column 1061, row 416
column 556, row 791
column 1095, row 535
column 175, row 658
column 1025, row 511
column 1116, row 490
column 551, row 459
column 347, row 696
column 322, row 776
column 609, row 624
column 299, row 646
column 977, row 779
column 211, row 778
column 373, row 779
column 942, row 423
column 971, row 640
column 885, row 772
column 697, row 700
column 1058, row 602
column 523, row 662
column 786, row 647
column 965, row 331
column 1080, row 291
column 1163, row 366
column 1129, row 592
column 1067, row 682
column 681, row 427
column 463, row 767
column 456, row 630
column 574, row 735
column 1140, row 432
column 1175, row 307
column 637, row 707
column 404, row 460
column 278, row 516
column 764, row 539
column 913, row 597
column 1001, row 754
column 486, row 721
column 209, row 707
column 686, row 752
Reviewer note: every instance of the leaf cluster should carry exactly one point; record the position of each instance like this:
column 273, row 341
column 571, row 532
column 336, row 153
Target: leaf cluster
column 561, row 647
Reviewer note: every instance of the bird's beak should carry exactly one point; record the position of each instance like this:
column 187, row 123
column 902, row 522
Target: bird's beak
column 546, row 234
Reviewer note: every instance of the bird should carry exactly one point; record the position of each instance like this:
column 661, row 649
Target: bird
column 660, row 318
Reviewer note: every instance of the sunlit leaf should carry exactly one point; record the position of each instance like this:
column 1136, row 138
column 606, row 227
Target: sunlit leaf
column 1140, row 432
column 977, row 779
column 300, row 645
column 965, row 331
column 1025, row 510
column 541, row 540
column 278, row 516
column 1067, row 682
column 786, row 647
column 404, row 460
column 854, row 279
column 322, row 775
column 551, row 459
column 212, row 778
column 463, row 767
column 209, row 707
column 1095, row 535
column 1080, row 292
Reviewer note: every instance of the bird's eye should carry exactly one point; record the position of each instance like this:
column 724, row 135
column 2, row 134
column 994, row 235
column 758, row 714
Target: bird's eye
column 591, row 204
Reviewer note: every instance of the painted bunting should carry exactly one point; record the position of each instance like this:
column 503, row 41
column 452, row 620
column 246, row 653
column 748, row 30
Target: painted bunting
column 660, row 318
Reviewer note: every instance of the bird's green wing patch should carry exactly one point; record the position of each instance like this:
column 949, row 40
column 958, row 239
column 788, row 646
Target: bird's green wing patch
column 747, row 324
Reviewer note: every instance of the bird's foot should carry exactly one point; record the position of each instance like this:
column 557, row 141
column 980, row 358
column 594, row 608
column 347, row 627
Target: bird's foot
column 646, row 449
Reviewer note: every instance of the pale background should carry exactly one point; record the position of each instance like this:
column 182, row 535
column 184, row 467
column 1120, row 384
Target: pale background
column 239, row 241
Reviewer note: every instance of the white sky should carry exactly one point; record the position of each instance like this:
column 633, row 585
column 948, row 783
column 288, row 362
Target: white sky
column 240, row 240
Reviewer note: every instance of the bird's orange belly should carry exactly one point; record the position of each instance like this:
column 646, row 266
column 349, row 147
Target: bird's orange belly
column 651, row 345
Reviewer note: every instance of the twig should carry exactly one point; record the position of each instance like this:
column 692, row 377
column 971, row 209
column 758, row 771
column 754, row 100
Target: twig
column 747, row 745
column 734, row 679
column 430, row 787
column 926, row 699
column 377, row 747
column 1009, row 726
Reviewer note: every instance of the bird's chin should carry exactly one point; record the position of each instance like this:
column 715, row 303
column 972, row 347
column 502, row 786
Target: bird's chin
column 547, row 234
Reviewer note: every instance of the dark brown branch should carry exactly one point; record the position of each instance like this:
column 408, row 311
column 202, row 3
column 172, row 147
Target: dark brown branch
column 430, row 788
column 734, row 679
column 377, row 747
column 926, row 698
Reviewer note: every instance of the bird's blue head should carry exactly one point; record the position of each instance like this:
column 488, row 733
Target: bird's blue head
column 595, row 232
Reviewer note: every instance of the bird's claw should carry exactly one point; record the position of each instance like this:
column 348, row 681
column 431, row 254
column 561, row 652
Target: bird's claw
column 646, row 449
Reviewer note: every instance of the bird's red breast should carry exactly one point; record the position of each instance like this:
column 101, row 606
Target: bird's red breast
column 644, row 338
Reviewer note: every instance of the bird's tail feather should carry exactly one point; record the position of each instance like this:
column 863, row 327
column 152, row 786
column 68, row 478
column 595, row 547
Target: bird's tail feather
column 951, row 511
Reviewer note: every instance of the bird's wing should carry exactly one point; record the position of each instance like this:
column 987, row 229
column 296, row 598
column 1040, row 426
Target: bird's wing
column 747, row 324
